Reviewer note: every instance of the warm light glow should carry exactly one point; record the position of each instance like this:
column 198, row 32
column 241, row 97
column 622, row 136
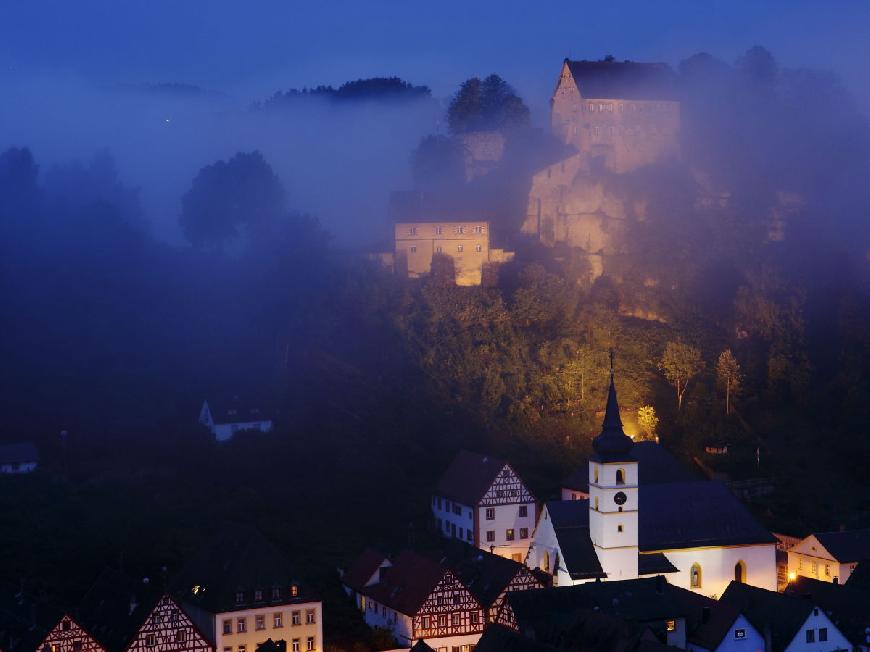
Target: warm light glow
column 792, row 576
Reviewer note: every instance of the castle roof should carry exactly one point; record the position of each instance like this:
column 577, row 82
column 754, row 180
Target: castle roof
column 612, row 444
column 628, row 80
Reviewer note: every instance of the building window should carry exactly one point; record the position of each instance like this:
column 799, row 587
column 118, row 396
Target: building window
column 296, row 617
column 620, row 476
column 457, row 509
column 671, row 625
column 490, row 513
column 596, row 503
column 524, row 533
column 811, row 636
column 438, row 250
column 309, row 643
column 180, row 636
column 240, row 597
column 460, row 248
column 242, row 625
column 478, row 248
column 424, row 622
column 524, row 510
column 740, row 572
column 243, row 648
column 412, row 230
column 739, row 633
column 816, row 569
column 294, row 590
column 823, row 634
column 595, row 475
column 228, row 649
column 695, row 576
column 509, row 535
column 442, row 620
column 827, row 570
column 413, row 249
column 276, row 593
column 309, row 617
column 277, row 621
column 258, row 595
column 259, row 623
column 228, row 626
column 438, row 230
column 490, row 536
column 619, row 528
column 150, row 641
column 461, row 533
column 295, row 645
column 454, row 620
column 469, row 535
column 475, row 618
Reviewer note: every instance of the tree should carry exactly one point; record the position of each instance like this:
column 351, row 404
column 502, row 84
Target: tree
column 679, row 363
column 491, row 104
column 272, row 646
column 647, row 420
column 227, row 197
column 438, row 163
column 729, row 376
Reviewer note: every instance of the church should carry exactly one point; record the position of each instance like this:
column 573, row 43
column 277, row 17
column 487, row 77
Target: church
column 693, row 531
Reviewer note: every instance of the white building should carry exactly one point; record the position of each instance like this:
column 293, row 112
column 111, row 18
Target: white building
column 481, row 500
column 724, row 629
column 20, row 458
column 224, row 421
column 829, row 556
column 697, row 532
column 789, row 623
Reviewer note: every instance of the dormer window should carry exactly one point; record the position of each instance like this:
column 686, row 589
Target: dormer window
column 294, row 590
column 258, row 595
column 240, row 597
column 276, row 593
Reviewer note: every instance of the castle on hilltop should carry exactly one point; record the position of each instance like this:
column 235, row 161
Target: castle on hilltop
column 619, row 116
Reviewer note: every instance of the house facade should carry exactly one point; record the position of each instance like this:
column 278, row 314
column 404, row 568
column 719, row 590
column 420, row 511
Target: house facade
column 224, row 421
column 829, row 556
column 481, row 500
column 69, row 636
column 167, row 628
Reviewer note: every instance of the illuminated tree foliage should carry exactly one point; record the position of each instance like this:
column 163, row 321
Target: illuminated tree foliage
column 680, row 363
column 729, row 376
column 648, row 421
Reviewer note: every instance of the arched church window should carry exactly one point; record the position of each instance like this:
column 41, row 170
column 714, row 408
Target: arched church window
column 595, row 475
column 546, row 565
column 695, row 576
column 740, row 572
column 620, row 476
column 596, row 503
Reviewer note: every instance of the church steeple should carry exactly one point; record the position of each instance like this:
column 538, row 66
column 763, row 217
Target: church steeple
column 612, row 444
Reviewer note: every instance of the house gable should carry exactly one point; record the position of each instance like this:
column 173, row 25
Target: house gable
column 448, row 610
column 168, row 629
column 522, row 581
column 812, row 547
column 68, row 636
column 506, row 489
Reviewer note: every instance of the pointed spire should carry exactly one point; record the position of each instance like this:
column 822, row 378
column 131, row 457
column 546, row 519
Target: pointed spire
column 612, row 442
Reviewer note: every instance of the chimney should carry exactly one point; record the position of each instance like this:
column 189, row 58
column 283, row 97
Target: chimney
column 705, row 614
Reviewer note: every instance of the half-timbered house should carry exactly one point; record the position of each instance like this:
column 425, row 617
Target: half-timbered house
column 416, row 598
column 167, row 628
column 69, row 636
column 482, row 500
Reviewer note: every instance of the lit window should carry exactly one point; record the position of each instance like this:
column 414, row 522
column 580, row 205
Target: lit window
column 294, row 590
column 695, row 576
column 478, row 248
column 671, row 625
column 509, row 535
column 460, row 248
column 739, row 633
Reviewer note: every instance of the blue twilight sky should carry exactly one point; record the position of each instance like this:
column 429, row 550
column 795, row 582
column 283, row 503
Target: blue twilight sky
column 255, row 46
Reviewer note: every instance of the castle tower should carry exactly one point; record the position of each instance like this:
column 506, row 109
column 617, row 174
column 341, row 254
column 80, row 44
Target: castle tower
column 613, row 495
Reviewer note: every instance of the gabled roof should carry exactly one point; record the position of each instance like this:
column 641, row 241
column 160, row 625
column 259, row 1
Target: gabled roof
column 237, row 559
column 639, row 601
column 656, row 465
column 570, row 519
column 468, row 477
column 681, row 515
column 784, row 615
column 847, row 545
column 847, row 607
column 406, row 584
column 484, row 574
column 420, row 646
column 113, row 608
column 18, row 453
column 363, row 568
column 623, row 80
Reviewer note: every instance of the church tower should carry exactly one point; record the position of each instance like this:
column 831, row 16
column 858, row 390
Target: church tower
column 613, row 495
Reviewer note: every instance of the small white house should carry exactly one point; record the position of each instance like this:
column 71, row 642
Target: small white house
column 224, row 421
column 16, row 459
column 724, row 629
column 829, row 556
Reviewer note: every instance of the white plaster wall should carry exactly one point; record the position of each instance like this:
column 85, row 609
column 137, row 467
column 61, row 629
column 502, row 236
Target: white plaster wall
column 464, row 520
column 507, row 517
column 253, row 637
column 818, row 567
column 717, row 567
column 816, row 621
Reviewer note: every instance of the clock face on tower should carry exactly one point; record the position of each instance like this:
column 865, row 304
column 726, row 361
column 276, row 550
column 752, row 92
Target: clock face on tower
column 619, row 498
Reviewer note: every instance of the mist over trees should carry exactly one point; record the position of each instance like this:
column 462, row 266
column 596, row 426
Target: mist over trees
column 737, row 308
